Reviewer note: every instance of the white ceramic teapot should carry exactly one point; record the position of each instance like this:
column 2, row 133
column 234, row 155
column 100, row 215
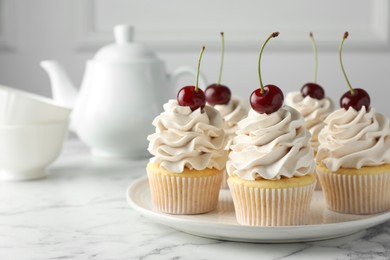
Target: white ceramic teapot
column 123, row 89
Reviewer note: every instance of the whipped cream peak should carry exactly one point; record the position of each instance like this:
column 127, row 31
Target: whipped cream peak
column 314, row 112
column 354, row 139
column 232, row 113
column 271, row 146
column 187, row 139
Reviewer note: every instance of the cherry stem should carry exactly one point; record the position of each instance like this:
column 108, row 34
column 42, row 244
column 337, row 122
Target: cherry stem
column 222, row 54
column 345, row 36
column 273, row 35
column 197, row 71
column 314, row 45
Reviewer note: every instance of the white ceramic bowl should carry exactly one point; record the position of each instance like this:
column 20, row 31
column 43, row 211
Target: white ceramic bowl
column 27, row 150
column 20, row 107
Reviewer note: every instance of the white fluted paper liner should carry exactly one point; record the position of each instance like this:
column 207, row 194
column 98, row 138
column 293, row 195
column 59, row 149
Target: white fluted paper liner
column 356, row 194
column 184, row 195
column 271, row 206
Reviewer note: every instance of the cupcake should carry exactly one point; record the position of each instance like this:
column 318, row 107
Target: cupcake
column 271, row 163
column 186, row 170
column 270, row 169
column 353, row 161
column 234, row 111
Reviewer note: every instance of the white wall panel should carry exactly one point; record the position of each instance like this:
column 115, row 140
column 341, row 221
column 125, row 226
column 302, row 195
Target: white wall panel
column 183, row 25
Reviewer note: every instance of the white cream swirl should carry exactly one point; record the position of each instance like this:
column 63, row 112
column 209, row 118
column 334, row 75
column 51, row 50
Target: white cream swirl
column 232, row 113
column 271, row 146
column 185, row 138
column 314, row 112
column 353, row 139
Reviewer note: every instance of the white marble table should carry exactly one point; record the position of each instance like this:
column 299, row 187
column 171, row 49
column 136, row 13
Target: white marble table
column 80, row 212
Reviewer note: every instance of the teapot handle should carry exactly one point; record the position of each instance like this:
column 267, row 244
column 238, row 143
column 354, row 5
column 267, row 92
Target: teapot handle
column 187, row 71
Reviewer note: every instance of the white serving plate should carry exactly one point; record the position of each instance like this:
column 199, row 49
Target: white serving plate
column 221, row 223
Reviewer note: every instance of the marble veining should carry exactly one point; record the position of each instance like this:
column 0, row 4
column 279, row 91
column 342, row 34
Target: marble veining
column 80, row 212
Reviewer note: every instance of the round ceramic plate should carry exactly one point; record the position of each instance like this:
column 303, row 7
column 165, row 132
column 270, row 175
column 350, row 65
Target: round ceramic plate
column 221, row 223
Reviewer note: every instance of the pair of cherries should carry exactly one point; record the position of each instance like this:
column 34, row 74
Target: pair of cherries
column 355, row 98
column 215, row 94
column 268, row 99
column 195, row 97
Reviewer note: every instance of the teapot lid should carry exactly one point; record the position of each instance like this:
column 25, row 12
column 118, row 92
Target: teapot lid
column 124, row 49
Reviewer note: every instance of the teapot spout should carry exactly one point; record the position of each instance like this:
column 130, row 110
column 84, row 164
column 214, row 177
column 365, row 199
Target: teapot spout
column 63, row 90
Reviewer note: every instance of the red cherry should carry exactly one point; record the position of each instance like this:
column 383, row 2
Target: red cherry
column 267, row 102
column 313, row 90
column 188, row 96
column 192, row 96
column 217, row 94
column 266, row 99
column 357, row 100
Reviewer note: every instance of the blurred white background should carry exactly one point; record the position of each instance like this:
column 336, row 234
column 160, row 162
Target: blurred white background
column 71, row 31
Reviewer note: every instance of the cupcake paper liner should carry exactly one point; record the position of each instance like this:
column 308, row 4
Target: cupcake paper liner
column 271, row 206
column 184, row 195
column 356, row 194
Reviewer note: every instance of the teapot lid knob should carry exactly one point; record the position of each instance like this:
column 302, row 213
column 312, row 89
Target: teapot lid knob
column 123, row 33
column 124, row 49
